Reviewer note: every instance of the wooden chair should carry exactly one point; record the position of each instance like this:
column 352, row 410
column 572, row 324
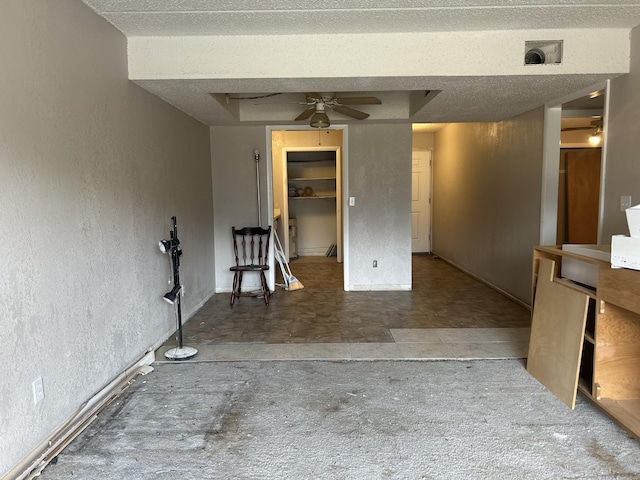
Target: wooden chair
column 251, row 250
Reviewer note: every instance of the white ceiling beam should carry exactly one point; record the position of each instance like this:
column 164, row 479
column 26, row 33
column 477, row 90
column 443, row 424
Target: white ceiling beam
column 604, row 51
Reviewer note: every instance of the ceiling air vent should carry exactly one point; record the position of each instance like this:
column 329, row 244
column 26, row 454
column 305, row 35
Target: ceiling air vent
column 538, row 52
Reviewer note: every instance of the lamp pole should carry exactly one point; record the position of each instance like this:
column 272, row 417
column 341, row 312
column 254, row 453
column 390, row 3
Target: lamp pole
column 174, row 296
column 256, row 157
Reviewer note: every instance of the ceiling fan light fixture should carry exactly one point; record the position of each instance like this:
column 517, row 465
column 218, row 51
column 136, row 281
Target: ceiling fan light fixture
column 596, row 138
column 319, row 120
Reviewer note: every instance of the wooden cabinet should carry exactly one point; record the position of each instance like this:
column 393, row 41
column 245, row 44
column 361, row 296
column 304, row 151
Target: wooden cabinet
column 587, row 338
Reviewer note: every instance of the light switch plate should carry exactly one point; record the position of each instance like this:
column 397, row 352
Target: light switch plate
column 38, row 390
column 625, row 202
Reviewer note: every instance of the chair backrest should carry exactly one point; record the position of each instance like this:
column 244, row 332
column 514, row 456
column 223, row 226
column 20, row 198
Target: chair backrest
column 251, row 245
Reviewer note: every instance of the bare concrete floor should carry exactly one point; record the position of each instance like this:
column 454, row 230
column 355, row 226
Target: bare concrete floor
column 447, row 314
column 395, row 420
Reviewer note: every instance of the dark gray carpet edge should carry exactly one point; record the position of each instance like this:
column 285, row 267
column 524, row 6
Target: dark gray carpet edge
column 484, row 419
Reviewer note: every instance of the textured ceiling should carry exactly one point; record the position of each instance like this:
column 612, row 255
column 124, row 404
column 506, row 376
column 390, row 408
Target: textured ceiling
column 463, row 98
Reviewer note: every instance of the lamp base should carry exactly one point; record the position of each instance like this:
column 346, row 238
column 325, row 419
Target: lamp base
column 183, row 353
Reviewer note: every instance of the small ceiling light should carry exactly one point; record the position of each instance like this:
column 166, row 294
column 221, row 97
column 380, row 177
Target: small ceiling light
column 596, row 138
column 319, row 119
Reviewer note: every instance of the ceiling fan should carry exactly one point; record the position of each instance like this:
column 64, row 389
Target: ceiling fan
column 318, row 104
column 594, row 125
column 595, row 138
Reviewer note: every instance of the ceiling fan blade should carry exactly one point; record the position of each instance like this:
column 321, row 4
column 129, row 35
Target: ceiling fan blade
column 306, row 114
column 570, row 129
column 315, row 96
column 350, row 112
column 359, row 101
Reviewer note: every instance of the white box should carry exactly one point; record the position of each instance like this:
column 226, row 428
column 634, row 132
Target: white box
column 582, row 272
column 625, row 252
column 633, row 220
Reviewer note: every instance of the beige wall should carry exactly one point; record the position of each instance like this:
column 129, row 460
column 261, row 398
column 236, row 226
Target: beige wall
column 622, row 175
column 486, row 199
column 93, row 168
column 423, row 140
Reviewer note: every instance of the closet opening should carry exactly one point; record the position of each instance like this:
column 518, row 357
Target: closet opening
column 307, row 179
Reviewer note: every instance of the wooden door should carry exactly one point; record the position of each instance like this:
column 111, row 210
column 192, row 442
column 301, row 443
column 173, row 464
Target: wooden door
column 421, row 201
column 582, row 187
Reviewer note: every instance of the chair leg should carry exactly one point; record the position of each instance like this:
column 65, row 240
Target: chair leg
column 236, row 289
column 265, row 288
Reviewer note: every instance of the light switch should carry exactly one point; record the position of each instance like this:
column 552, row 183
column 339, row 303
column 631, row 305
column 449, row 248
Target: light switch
column 352, row 201
column 625, row 202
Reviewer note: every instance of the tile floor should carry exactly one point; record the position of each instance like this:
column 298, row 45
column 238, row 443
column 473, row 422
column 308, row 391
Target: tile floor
column 447, row 315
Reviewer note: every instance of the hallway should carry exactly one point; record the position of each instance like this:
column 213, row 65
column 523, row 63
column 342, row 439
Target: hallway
column 447, row 315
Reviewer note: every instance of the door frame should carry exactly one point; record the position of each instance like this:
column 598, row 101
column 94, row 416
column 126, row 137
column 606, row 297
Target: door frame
column 551, row 163
column 344, row 190
column 285, row 181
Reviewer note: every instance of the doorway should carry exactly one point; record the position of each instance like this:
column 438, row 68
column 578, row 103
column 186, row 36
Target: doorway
column 307, row 179
column 561, row 128
column 312, row 210
column 580, row 169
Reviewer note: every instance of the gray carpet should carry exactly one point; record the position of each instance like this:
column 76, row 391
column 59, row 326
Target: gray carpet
column 353, row 420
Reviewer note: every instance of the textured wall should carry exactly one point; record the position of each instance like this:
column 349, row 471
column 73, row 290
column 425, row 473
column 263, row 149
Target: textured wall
column 235, row 193
column 380, row 222
column 486, row 199
column 93, row 168
column 623, row 145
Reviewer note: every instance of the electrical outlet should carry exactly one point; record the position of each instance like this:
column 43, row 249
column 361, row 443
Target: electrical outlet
column 38, row 390
column 375, row 264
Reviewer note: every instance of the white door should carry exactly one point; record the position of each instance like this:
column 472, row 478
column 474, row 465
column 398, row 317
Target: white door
column 421, row 201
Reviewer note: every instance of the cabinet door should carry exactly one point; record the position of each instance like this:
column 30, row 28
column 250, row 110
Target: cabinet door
column 557, row 334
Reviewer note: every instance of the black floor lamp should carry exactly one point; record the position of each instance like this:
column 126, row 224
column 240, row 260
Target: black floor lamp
column 172, row 247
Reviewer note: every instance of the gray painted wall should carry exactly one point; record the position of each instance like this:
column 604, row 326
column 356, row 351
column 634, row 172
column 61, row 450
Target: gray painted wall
column 623, row 145
column 380, row 222
column 93, row 168
column 486, row 199
column 235, row 192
